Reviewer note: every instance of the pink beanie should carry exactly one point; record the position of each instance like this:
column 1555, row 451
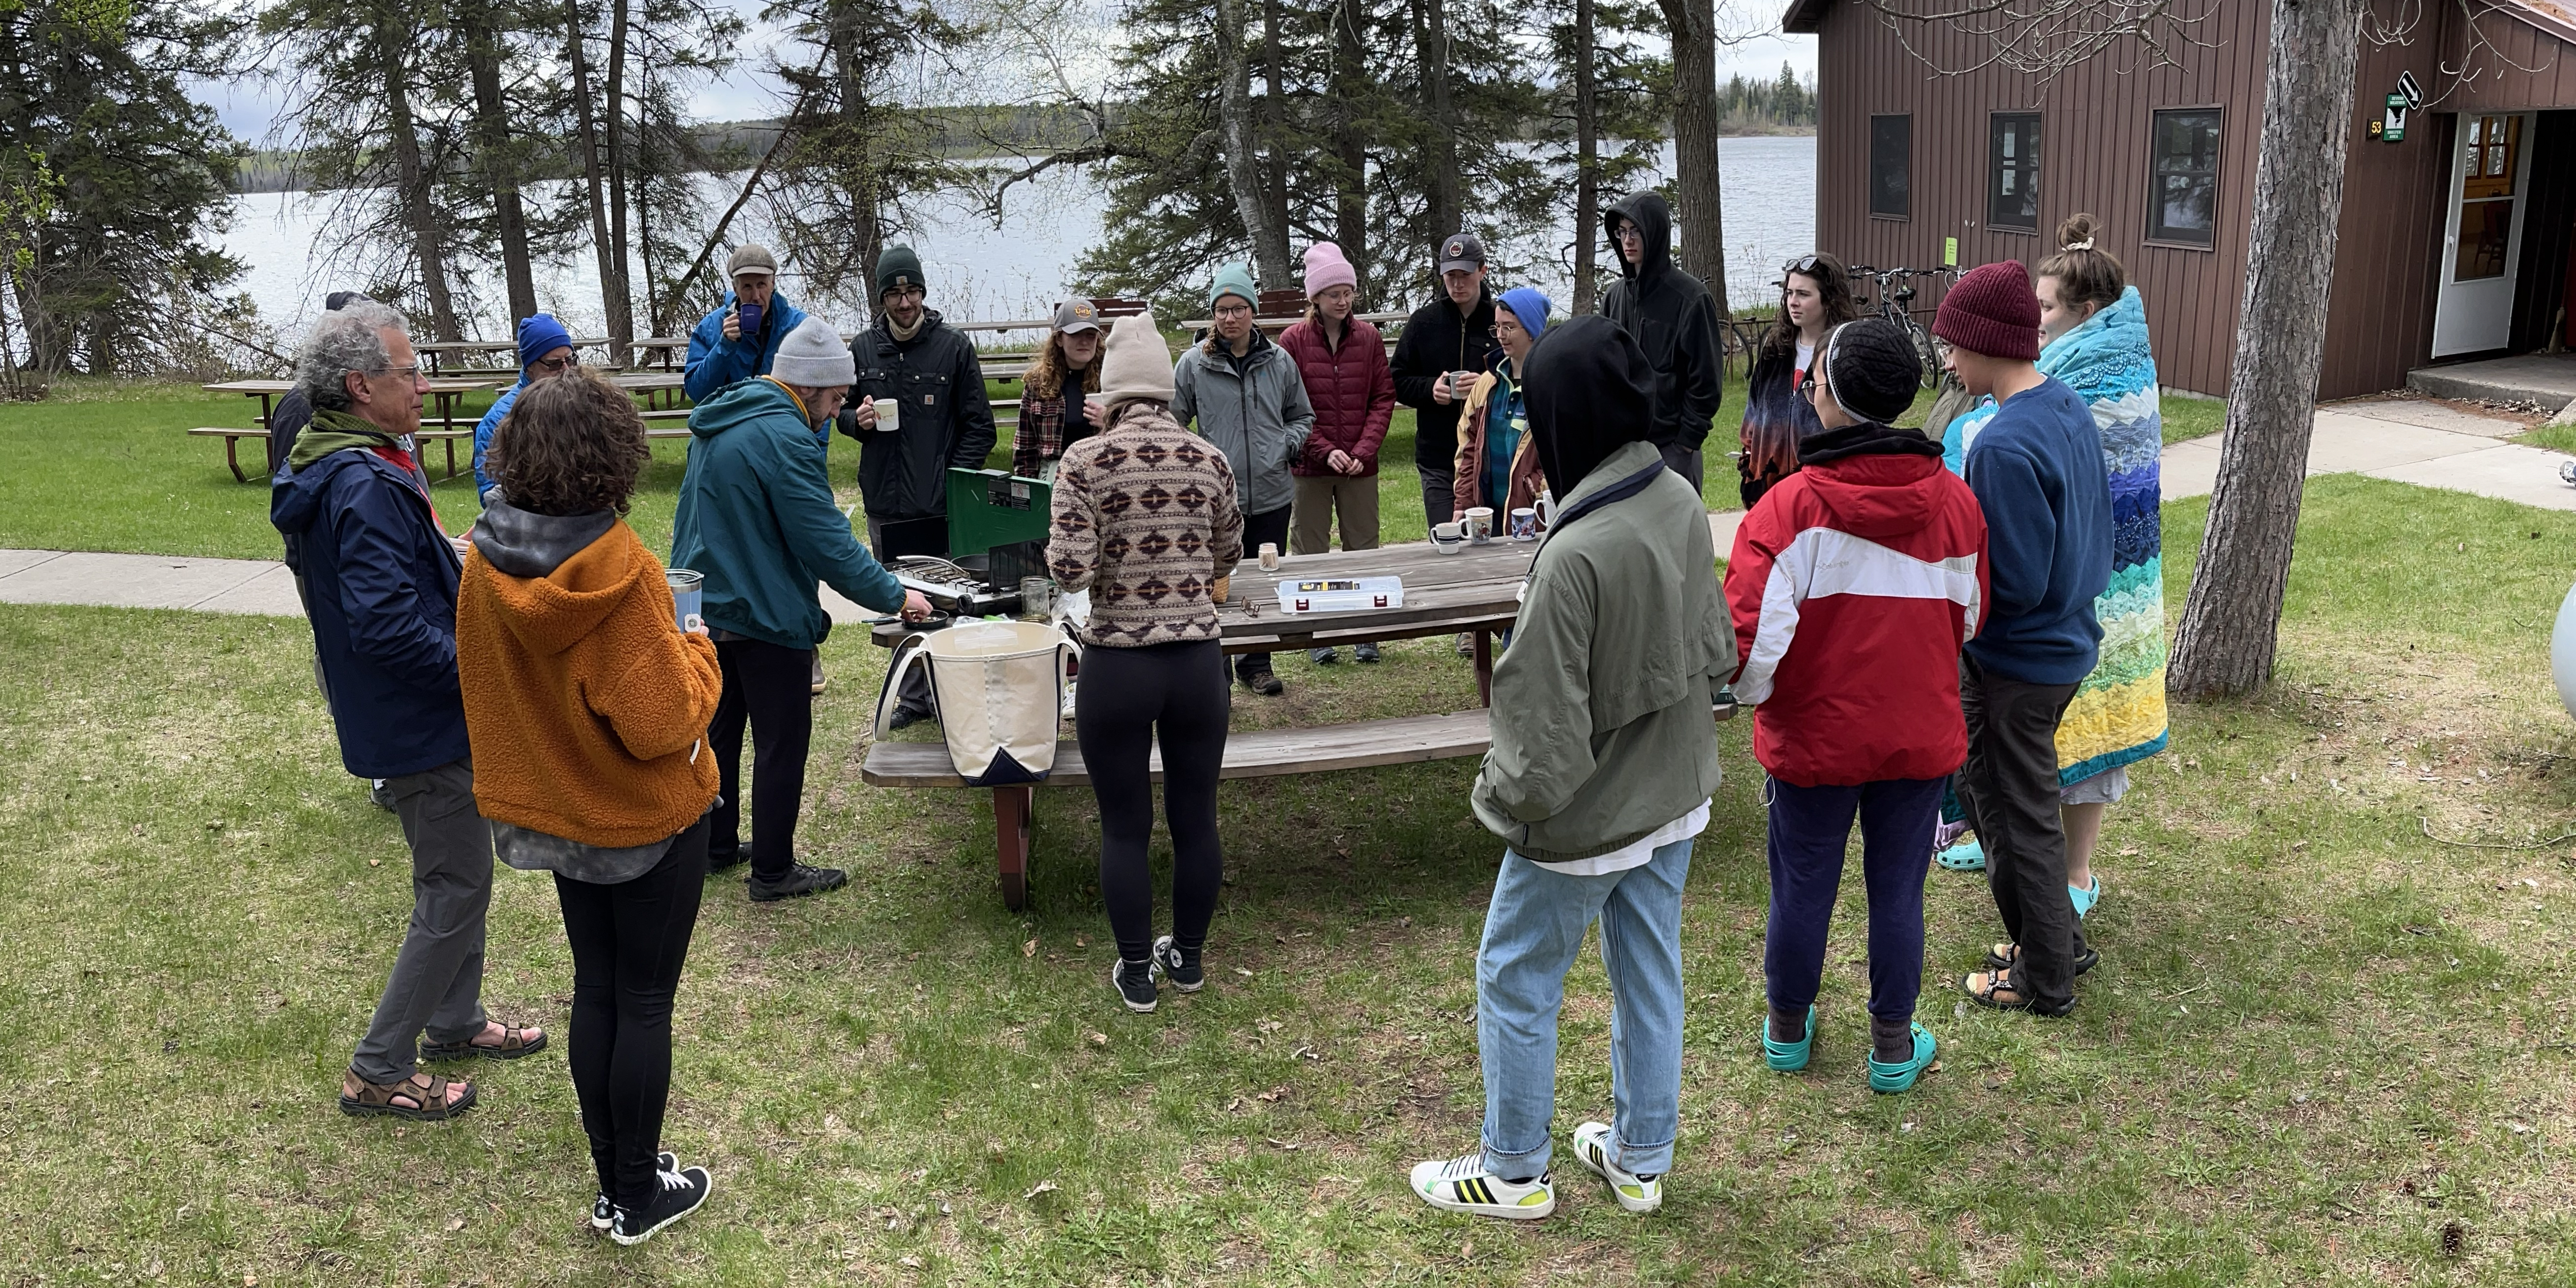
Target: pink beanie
column 1326, row 267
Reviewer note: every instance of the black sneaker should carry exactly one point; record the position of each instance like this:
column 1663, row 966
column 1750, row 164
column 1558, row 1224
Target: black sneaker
column 1179, row 966
column 1322, row 656
column 1135, row 984
column 1366, row 652
column 906, row 717
column 380, row 796
column 799, row 882
column 683, row 1190
column 724, row 862
column 603, row 1210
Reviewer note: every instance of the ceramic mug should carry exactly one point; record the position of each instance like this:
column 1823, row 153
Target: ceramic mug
column 1480, row 524
column 1546, row 507
column 889, row 415
column 1524, row 524
column 1448, row 538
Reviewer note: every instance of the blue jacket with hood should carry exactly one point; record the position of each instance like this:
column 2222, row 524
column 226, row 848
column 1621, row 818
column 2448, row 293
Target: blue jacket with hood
column 380, row 589
column 757, row 517
column 483, row 480
column 715, row 362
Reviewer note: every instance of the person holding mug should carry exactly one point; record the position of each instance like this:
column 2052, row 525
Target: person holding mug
column 587, row 709
column 1497, row 464
column 1443, row 338
column 739, row 340
column 1053, row 413
column 1153, row 671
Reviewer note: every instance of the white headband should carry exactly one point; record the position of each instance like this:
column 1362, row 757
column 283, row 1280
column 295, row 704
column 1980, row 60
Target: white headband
column 2086, row 244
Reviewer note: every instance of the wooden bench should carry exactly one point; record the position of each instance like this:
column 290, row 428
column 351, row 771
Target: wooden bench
column 231, row 436
column 1267, row 753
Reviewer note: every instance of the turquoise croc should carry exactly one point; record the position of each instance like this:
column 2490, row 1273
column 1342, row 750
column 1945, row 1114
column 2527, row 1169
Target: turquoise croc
column 1966, row 856
column 2084, row 899
column 1788, row 1057
column 1889, row 1079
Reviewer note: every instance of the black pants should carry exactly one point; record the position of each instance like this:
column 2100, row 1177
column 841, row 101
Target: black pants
column 1270, row 526
column 628, row 943
column 1128, row 698
column 1684, row 461
column 773, row 688
column 2009, row 787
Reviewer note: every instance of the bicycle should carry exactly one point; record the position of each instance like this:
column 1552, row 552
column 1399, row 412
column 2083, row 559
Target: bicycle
column 1895, row 289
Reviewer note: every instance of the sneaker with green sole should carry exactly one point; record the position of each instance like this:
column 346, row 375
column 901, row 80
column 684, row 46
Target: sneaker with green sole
column 1636, row 1193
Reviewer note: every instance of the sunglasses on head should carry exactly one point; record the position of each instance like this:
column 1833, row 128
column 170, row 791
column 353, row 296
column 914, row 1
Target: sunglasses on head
column 1803, row 264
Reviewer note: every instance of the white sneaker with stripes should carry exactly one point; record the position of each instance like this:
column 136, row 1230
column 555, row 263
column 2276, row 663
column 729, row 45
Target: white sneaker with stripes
column 1463, row 1185
column 1592, row 1145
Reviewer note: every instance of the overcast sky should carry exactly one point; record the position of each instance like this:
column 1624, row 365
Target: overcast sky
column 247, row 105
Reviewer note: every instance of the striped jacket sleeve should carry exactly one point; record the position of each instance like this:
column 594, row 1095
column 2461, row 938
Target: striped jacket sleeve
column 1765, row 613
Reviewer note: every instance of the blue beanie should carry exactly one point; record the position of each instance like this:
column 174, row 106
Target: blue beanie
column 539, row 336
column 1529, row 307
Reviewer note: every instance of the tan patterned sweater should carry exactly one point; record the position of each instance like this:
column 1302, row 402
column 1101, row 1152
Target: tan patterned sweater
column 1145, row 517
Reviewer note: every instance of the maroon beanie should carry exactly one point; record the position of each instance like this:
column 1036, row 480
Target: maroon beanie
column 1992, row 311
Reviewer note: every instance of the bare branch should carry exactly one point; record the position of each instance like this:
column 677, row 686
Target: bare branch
column 2042, row 38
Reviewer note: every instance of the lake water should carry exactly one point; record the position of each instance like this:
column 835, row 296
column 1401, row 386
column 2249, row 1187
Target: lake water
column 983, row 273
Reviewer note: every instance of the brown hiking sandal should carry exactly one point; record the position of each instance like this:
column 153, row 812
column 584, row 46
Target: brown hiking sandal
column 516, row 1041
column 426, row 1092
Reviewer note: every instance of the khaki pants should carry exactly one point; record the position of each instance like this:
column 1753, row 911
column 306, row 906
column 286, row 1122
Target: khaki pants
column 1311, row 523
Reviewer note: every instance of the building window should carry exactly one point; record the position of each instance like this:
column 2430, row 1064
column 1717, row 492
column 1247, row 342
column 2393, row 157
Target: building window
column 2012, row 171
column 2486, row 195
column 1891, row 166
column 2182, row 201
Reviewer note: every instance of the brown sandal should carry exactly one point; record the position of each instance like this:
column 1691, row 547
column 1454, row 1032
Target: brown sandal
column 429, row 1103
column 515, row 1042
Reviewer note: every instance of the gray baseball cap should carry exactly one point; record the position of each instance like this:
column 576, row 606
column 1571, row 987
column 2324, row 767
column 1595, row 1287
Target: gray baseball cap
column 1076, row 315
column 1461, row 250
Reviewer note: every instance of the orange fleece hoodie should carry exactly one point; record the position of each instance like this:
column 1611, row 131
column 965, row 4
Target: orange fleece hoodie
column 585, row 705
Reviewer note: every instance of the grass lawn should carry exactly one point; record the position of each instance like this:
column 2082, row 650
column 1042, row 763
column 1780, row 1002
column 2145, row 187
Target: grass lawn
column 2319, row 1046
column 2189, row 418
column 108, row 466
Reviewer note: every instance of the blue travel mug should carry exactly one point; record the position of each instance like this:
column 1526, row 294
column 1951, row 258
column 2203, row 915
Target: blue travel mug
column 685, row 583
column 750, row 318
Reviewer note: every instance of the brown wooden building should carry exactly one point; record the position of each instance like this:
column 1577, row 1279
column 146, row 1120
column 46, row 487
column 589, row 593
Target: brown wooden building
column 2455, row 238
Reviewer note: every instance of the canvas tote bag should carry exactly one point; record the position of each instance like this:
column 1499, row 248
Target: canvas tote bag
column 999, row 690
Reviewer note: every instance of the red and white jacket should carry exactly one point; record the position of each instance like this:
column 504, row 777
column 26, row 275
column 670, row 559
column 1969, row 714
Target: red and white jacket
column 1853, row 583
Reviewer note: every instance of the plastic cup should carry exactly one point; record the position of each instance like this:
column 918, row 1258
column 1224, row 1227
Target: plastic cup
column 1269, row 556
column 687, row 589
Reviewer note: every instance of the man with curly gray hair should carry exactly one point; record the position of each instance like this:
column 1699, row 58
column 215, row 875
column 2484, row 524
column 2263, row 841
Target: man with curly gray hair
column 379, row 576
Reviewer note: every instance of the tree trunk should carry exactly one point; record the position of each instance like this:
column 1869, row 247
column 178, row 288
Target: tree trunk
column 1587, row 163
column 500, row 169
column 612, row 269
column 1242, row 160
column 2230, row 621
column 413, row 177
column 1695, row 123
column 1274, row 113
column 1350, row 83
column 866, row 206
column 621, row 296
column 1447, row 212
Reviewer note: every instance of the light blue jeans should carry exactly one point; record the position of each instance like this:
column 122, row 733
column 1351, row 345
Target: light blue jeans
column 1532, row 932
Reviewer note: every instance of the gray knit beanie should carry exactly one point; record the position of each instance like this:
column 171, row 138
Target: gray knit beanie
column 1136, row 362
column 813, row 357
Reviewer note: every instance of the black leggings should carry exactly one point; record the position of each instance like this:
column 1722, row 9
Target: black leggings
column 628, row 943
column 1126, row 699
column 773, row 688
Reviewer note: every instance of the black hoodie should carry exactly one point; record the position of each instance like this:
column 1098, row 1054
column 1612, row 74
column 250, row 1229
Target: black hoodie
column 1589, row 394
column 1673, row 319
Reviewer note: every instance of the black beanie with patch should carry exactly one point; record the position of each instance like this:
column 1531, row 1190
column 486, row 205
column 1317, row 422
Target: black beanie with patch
column 1871, row 368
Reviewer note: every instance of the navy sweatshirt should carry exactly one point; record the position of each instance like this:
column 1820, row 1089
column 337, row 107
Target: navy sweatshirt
column 2037, row 471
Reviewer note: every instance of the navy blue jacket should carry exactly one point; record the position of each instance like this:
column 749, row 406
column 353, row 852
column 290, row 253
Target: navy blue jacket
column 380, row 588
column 2037, row 471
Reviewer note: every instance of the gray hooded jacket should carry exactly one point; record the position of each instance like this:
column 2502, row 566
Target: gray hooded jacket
column 1254, row 409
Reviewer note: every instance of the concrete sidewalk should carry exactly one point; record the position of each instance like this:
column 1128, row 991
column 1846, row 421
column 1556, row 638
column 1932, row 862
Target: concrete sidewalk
column 2404, row 440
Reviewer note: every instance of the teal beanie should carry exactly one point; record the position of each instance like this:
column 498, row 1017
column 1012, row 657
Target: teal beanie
column 1234, row 279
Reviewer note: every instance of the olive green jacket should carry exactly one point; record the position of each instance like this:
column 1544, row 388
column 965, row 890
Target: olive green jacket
column 1602, row 718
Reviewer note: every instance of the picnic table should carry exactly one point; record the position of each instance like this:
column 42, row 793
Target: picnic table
column 445, row 393
column 1476, row 591
column 435, row 353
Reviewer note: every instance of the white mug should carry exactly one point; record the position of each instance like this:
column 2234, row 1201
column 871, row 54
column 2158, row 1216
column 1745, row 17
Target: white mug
column 1545, row 504
column 1448, row 538
column 1480, row 524
column 889, row 415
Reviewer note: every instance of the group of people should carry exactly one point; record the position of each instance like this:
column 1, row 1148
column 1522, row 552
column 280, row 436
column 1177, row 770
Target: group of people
column 1907, row 635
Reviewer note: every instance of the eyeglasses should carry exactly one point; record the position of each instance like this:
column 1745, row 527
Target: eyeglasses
column 407, row 373
column 1234, row 310
column 555, row 366
column 1628, row 232
column 1803, row 264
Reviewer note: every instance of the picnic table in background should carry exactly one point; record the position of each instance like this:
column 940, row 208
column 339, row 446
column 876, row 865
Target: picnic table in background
column 445, row 393
column 1476, row 591
column 437, row 355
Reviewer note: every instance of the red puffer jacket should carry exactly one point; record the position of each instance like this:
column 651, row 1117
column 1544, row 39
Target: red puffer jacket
column 1854, row 584
column 1353, row 393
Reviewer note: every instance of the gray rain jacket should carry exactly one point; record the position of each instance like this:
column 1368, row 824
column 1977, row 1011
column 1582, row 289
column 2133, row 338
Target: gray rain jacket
column 1254, row 409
